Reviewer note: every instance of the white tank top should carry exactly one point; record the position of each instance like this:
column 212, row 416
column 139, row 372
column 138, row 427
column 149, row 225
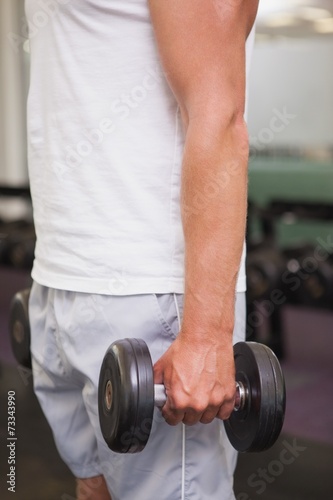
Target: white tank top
column 105, row 146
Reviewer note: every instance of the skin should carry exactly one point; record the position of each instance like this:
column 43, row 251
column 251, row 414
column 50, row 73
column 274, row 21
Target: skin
column 93, row 488
column 202, row 48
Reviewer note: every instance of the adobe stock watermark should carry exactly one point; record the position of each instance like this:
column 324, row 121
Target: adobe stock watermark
column 48, row 354
column 39, row 20
column 307, row 266
column 264, row 476
column 117, row 284
column 278, row 122
column 119, row 110
column 212, row 188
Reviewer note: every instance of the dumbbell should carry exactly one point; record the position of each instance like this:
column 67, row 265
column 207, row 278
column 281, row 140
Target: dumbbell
column 19, row 327
column 21, row 248
column 8, row 230
column 310, row 280
column 127, row 397
column 318, row 288
column 264, row 268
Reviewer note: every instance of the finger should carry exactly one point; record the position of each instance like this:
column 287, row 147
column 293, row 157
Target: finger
column 225, row 411
column 191, row 417
column 208, row 416
column 172, row 417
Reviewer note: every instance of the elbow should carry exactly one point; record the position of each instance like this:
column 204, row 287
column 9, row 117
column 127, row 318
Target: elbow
column 221, row 122
column 218, row 114
column 233, row 120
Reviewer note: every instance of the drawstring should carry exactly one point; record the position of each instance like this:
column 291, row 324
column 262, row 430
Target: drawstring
column 183, row 426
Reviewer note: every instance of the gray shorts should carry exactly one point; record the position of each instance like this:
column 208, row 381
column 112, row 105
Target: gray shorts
column 70, row 334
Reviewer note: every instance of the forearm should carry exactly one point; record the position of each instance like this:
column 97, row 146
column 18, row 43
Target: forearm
column 202, row 49
column 213, row 202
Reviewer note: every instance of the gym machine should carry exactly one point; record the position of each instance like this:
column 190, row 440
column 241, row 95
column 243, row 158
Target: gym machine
column 17, row 237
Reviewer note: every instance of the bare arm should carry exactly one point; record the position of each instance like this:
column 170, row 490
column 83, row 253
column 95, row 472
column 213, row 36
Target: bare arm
column 202, row 47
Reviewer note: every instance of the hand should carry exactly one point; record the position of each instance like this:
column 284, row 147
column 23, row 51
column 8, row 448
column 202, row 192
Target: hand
column 199, row 379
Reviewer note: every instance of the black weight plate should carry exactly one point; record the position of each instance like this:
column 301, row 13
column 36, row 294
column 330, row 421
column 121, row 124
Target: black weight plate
column 257, row 426
column 126, row 378
column 19, row 328
column 280, row 404
column 264, row 267
column 318, row 285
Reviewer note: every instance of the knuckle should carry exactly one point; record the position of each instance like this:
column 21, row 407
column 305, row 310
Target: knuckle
column 207, row 418
column 225, row 412
column 215, row 401
column 229, row 394
column 177, row 404
column 170, row 418
column 199, row 406
column 190, row 421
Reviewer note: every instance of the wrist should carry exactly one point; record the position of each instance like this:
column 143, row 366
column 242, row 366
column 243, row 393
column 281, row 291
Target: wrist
column 194, row 332
column 208, row 319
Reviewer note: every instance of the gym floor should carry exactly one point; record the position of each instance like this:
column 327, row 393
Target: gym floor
column 298, row 467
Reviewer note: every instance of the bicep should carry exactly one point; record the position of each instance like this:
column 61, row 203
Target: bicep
column 202, row 48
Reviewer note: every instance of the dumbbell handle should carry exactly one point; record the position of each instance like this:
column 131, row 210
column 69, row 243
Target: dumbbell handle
column 160, row 396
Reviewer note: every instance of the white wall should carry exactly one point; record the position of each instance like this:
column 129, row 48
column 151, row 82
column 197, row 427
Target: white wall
column 295, row 75
column 13, row 78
